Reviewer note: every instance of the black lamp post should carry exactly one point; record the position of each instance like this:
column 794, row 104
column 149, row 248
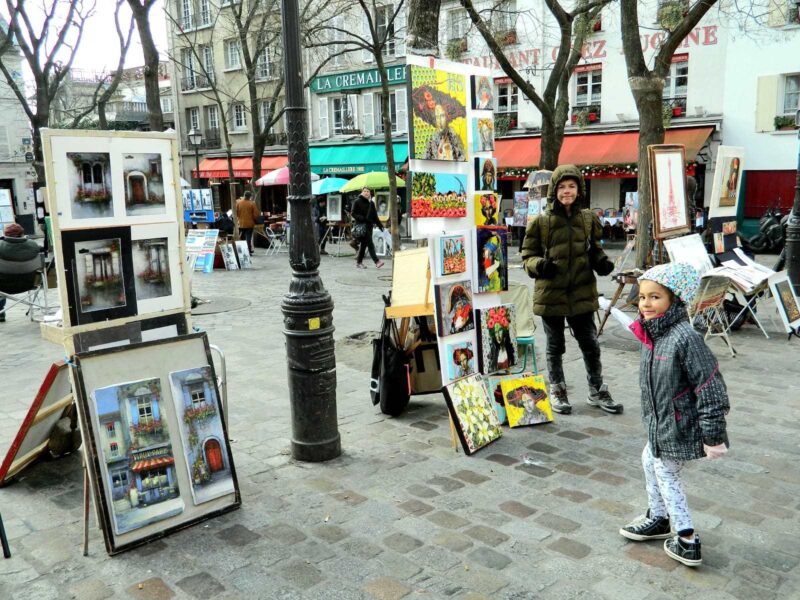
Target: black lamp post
column 307, row 307
column 195, row 141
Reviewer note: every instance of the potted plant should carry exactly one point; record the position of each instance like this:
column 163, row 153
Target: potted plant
column 574, row 118
column 666, row 115
column 454, row 48
column 677, row 111
column 592, row 117
column 583, row 118
column 784, row 123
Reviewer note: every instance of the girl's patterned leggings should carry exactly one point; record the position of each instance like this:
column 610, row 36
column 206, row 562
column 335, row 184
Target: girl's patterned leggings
column 665, row 493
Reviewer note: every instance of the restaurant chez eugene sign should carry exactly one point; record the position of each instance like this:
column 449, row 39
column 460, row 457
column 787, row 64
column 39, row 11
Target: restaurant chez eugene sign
column 369, row 78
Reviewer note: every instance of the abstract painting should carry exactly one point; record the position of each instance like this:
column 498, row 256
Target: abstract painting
column 486, row 174
column 487, row 207
column 471, row 412
column 208, row 459
column 438, row 113
column 90, row 190
column 482, row 92
column 482, row 134
column 526, row 401
column 491, row 254
column 497, row 341
column 144, row 184
column 452, row 254
column 151, row 266
column 438, row 195
column 461, row 360
column 453, row 308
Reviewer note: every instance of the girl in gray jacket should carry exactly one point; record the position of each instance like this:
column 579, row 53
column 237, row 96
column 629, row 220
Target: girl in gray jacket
column 684, row 403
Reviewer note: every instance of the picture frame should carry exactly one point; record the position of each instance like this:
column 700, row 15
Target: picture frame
column 243, row 254
column 526, row 401
column 497, row 338
column 487, row 209
column 483, row 133
column 438, row 195
column 451, row 254
column 126, row 399
column 454, row 312
column 689, row 249
column 99, row 275
column 520, row 218
column 491, row 258
column 461, row 358
column 379, row 241
column 229, row 257
column 727, row 183
column 382, row 205
column 471, row 413
column 486, row 174
column 155, row 251
column 133, row 332
column 668, row 188
column 482, row 92
column 786, row 301
column 334, row 208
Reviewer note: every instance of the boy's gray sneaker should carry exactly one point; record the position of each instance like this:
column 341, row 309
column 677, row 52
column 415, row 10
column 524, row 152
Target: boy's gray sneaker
column 558, row 398
column 687, row 553
column 602, row 399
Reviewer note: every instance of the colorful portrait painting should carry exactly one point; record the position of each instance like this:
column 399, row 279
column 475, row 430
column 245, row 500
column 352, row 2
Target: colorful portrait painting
column 496, row 393
column 472, row 414
column 482, row 93
column 526, row 401
column 438, row 102
column 90, row 189
column 486, row 174
column 452, row 254
column 461, row 360
column 487, row 209
column 492, row 258
column 454, row 308
column 136, row 454
column 438, row 195
column 498, row 338
column 482, row 134
column 144, row 184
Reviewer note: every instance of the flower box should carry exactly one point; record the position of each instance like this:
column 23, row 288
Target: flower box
column 677, row 111
column 574, row 118
column 592, row 117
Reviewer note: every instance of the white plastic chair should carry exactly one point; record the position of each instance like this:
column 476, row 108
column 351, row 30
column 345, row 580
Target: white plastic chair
column 277, row 242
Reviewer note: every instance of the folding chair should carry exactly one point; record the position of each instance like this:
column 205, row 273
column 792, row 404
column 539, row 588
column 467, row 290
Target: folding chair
column 24, row 283
column 277, row 241
column 519, row 295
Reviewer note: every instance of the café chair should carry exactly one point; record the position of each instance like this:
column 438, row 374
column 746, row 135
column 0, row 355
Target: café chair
column 24, row 283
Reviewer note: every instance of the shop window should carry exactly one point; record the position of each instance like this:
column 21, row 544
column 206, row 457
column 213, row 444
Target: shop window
column 344, row 115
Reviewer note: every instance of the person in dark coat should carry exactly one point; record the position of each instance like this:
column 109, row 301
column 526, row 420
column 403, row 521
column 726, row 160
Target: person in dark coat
column 364, row 213
column 19, row 259
column 562, row 252
column 684, row 403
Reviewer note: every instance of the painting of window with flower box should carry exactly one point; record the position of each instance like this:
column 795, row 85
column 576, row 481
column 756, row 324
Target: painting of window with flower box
column 90, row 190
column 99, row 274
column 472, row 413
column 205, row 446
column 151, row 265
column 136, row 451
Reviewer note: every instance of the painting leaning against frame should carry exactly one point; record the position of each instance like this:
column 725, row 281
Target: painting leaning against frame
column 668, row 189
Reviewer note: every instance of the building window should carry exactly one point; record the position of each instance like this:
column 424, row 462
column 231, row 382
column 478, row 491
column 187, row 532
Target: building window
column 384, row 23
column 213, row 117
column 198, row 395
column 194, row 118
column 336, row 36
column 507, row 98
column 204, row 14
column 239, row 117
column 456, row 24
column 264, row 109
column 232, row 54
column 344, row 115
column 119, row 479
column 265, row 64
column 187, row 15
column 207, row 52
column 166, row 104
column 504, row 17
column 189, row 75
column 111, row 430
column 791, row 94
column 588, row 87
column 145, row 408
column 677, row 82
column 114, row 448
column 379, row 112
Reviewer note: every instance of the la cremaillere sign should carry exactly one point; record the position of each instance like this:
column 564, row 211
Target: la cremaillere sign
column 369, row 78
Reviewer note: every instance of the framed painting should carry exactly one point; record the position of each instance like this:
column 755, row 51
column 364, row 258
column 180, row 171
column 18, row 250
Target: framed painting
column 687, row 249
column 471, row 413
column 453, row 308
column 727, row 182
column 438, row 195
column 379, row 241
column 520, row 209
column 143, row 174
column 785, row 300
column 155, row 438
column 483, row 134
column 668, row 186
column 497, row 340
column 438, row 114
column 526, row 401
column 382, row 204
column 496, row 393
column 486, row 209
column 155, row 251
column 486, row 174
column 229, row 257
column 482, row 92
column 334, row 208
column 461, row 359
column 491, row 256
column 452, row 255
column 91, row 193
column 243, row 254
column 98, row 268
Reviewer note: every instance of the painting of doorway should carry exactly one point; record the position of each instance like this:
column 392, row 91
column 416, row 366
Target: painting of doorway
column 151, row 265
column 144, row 184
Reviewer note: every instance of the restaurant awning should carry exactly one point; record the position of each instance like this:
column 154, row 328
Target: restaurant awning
column 152, row 463
column 594, row 148
column 353, row 159
column 217, row 168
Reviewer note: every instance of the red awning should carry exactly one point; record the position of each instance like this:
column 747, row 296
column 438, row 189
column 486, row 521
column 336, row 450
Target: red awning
column 217, row 168
column 152, row 463
column 594, row 148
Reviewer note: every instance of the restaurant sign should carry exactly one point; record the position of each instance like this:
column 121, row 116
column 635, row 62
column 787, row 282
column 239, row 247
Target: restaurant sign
column 369, row 78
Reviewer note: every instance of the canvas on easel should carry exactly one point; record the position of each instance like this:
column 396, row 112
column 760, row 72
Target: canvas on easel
column 668, row 188
column 727, row 183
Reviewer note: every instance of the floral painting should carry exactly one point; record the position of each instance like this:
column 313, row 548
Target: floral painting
column 460, row 360
column 492, row 258
column 144, row 184
column 453, row 308
column 90, row 189
column 205, row 445
column 438, row 195
column 487, row 208
column 498, row 339
column 452, row 254
column 438, row 115
column 526, row 401
column 472, row 414
column 151, row 266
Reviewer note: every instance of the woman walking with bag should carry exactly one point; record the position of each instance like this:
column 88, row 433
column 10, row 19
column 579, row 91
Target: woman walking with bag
column 365, row 216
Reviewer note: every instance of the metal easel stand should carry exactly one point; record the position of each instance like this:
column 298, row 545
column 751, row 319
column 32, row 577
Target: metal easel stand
column 749, row 304
column 337, row 238
column 715, row 320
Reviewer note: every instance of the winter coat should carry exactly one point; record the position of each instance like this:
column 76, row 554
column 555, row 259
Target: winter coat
column 684, row 398
column 247, row 213
column 573, row 242
column 364, row 211
column 19, row 260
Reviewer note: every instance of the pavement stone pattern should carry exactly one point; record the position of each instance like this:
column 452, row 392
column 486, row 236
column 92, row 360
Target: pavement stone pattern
column 401, row 514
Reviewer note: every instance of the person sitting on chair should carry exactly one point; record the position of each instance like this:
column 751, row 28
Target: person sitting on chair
column 19, row 256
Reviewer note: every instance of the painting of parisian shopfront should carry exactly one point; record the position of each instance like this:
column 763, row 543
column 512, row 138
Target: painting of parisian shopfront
column 90, row 185
column 144, row 184
column 151, row 265
column 136, row 450
column 206, row 449
column 100, row 274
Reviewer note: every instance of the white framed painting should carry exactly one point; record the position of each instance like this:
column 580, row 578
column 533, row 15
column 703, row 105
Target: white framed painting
column 668, row 185
column 157, row 267
column 243, row 252
column 727, row 184
column 785, row 300
column 334, row 208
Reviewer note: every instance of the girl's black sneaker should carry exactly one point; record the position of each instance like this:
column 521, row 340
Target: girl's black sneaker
column 647, row 528
column 684, row 552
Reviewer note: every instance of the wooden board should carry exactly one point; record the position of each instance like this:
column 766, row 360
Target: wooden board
column 412, row 292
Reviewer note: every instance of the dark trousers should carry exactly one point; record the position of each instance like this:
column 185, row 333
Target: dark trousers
column 247, row 235
column 585, row 334
column 367, row 244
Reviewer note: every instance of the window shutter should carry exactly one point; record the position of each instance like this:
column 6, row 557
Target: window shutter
column 402, row 112
column 400, row 33
column 776, row 13
column 766, row 102
column 353, row 104
column 323, row 118
column 366, row 54
column 369, row 114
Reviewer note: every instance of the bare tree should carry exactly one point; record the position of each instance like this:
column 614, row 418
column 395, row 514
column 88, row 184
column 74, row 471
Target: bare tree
column 423, row 27
column 48, row 55
column 647, row 86
column 141, row 14
column 553, row 103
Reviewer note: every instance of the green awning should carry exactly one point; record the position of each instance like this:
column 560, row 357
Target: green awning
column 353, row 159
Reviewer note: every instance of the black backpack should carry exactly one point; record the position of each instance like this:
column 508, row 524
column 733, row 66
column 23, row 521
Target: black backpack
column 390, row 385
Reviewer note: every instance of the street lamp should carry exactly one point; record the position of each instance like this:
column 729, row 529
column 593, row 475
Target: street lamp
column 195, row 140
column 307, row 307
column 793, row 224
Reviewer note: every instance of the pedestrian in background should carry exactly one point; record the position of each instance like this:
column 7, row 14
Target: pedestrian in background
column 365, row 216
column 320, row 216
column 247, row 214
column 19, row 257
column 562, row 251
column 684, row 403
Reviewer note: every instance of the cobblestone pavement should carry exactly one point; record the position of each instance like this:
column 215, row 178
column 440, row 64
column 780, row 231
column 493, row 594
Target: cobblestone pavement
column 400, row 514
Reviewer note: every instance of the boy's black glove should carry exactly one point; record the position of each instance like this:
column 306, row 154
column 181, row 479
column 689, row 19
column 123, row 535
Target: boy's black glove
column 604, row 267
column 548, row 270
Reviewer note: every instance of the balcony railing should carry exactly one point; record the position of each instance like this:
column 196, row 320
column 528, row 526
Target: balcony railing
column 129, row 110
column 211, row 140
column 197, row 82
column 584, row 115
column 677, row 106
column 277, row 139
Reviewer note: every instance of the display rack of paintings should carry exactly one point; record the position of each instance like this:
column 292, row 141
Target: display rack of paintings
column 438, row 112
column 486, row 173
column 453, row 308
column 487, row 208
column 154, row 430
column 472, row 414
column 438, row 195
column 786, row 301
column 497, row 340
column 526, row 401
column 668, row 186
column 491, row 256
column 483, row 133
